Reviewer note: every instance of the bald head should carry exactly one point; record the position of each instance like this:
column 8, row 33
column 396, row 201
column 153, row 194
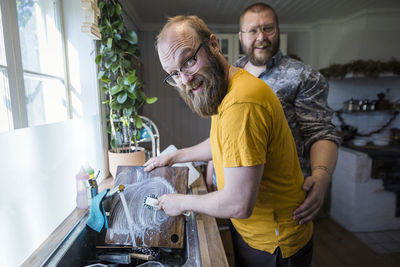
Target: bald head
column 177, row 25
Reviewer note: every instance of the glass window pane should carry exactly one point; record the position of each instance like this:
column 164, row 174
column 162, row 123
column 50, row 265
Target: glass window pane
column 40, row 37
column 46, row 101
column 2, row 49
column 6, row 123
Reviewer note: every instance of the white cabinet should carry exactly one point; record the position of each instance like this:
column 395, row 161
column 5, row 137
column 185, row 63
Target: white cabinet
column 230, row 45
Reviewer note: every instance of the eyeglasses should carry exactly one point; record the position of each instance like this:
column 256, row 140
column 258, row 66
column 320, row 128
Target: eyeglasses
column 255, row 31
column 189, row 67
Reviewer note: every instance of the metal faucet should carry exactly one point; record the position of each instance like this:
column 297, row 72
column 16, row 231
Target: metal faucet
column 93, row 185
column 114, row 191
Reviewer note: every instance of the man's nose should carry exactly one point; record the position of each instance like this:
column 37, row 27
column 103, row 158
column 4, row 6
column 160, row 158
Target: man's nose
column 261, row 35
column 186, row 78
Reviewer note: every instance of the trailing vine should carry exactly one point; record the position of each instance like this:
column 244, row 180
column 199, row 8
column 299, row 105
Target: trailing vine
column 118, row 63
column 367, row 68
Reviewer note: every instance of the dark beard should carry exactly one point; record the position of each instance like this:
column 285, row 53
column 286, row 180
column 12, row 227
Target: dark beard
column 206, row 102
column 272, row 49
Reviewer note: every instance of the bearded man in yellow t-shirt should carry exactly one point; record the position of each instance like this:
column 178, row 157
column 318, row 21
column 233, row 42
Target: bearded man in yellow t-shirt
column 258, row 173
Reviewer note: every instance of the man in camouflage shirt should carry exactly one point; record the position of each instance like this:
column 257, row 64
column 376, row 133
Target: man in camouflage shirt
column 303, row 94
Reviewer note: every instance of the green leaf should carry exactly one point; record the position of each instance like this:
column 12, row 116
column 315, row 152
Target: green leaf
column 132, row 96
column 123, row 44
column 104, row 89
column 151, row 100
column 121, row 26
column 138, row 136
column 127, row 112
column 114, row 67
column 118, row 9
column 107, row 22
column 107, row 64
column 114, row 143
column 100, row 74
column 105, row 79
column 131, row 77
column 131, row 89
column 111, row 11
column 126, row 63
column 116, row 106
column 114, row 58
column 132, row 37
column 109, row 42
column 121, row 98
column 138, row 122
column 98, row 59
column 116, row 89
column 117, row 36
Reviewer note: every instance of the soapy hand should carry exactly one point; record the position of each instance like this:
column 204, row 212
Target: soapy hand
column 170, row 204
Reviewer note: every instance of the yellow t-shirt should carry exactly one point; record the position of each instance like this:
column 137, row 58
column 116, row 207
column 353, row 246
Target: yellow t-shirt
column 251, row 129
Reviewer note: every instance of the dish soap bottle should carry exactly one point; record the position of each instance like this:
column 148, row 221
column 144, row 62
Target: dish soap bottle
column 81, row 193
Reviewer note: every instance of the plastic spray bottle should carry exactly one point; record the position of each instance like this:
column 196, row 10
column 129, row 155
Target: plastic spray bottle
column 81, row 193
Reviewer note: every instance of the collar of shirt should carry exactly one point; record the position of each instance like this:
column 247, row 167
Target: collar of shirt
column 273, row 62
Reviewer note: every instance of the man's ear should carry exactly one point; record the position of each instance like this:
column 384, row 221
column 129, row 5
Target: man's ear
column 214, row 45
column 240, row 36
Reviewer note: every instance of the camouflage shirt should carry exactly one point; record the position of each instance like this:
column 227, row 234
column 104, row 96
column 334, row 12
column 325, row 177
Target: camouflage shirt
column 303, row 93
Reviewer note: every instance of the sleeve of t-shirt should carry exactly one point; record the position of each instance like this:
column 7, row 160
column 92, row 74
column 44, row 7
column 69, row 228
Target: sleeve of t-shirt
column 244, row 135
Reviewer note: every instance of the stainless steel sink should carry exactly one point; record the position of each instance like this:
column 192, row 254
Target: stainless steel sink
column 79, row 247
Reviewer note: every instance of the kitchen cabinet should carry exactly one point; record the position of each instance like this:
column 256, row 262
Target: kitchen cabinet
column 230, row 45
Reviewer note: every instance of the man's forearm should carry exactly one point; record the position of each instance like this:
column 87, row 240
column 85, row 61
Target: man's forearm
column 323, row 157
column 199, row 152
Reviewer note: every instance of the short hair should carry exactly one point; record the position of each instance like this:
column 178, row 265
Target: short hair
column 258, row 8
column 196, row 23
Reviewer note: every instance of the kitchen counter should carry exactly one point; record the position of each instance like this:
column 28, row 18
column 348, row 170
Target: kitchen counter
column 211, row 248
column 373, row 151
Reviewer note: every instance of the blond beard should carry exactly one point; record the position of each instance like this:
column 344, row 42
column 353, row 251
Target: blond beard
column 215, row 85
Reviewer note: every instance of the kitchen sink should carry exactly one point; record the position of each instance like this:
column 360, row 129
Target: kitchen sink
column 79, row 248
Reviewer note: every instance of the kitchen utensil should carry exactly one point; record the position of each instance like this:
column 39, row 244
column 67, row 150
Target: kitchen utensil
column 149, row 202
column 360, row 142
column 352, row 105
column 381, row 141
column 120, row 258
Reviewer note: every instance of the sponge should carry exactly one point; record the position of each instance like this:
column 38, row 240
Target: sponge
column 97, row 217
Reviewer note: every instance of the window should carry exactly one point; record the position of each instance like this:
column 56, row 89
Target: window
column 36, row 92
column 5, row 107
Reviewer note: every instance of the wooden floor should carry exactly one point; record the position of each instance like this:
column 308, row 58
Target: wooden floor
column 333, row 247
column 336, row 247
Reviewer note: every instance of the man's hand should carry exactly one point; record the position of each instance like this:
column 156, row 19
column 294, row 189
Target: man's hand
column 209, row 177
column 171, row 204
column 315, row 186
column 160, row 161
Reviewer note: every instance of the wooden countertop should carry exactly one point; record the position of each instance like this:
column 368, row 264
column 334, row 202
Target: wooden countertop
column 211, row 248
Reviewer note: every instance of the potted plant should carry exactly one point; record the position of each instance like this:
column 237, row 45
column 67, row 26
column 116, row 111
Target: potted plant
column 119, row 67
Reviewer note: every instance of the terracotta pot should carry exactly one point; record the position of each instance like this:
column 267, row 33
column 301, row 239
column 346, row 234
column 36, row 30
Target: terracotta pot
column 137, row 158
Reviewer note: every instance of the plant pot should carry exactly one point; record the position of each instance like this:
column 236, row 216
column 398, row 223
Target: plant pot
column 137, row 158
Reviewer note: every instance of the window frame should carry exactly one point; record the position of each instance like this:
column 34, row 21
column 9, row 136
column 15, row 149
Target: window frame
column 14, row 68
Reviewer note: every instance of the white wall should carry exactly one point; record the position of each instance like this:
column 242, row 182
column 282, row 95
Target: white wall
column 369, row 34
column 38, row 164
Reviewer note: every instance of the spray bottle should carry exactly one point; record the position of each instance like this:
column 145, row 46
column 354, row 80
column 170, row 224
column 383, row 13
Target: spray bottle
column 81, row 194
